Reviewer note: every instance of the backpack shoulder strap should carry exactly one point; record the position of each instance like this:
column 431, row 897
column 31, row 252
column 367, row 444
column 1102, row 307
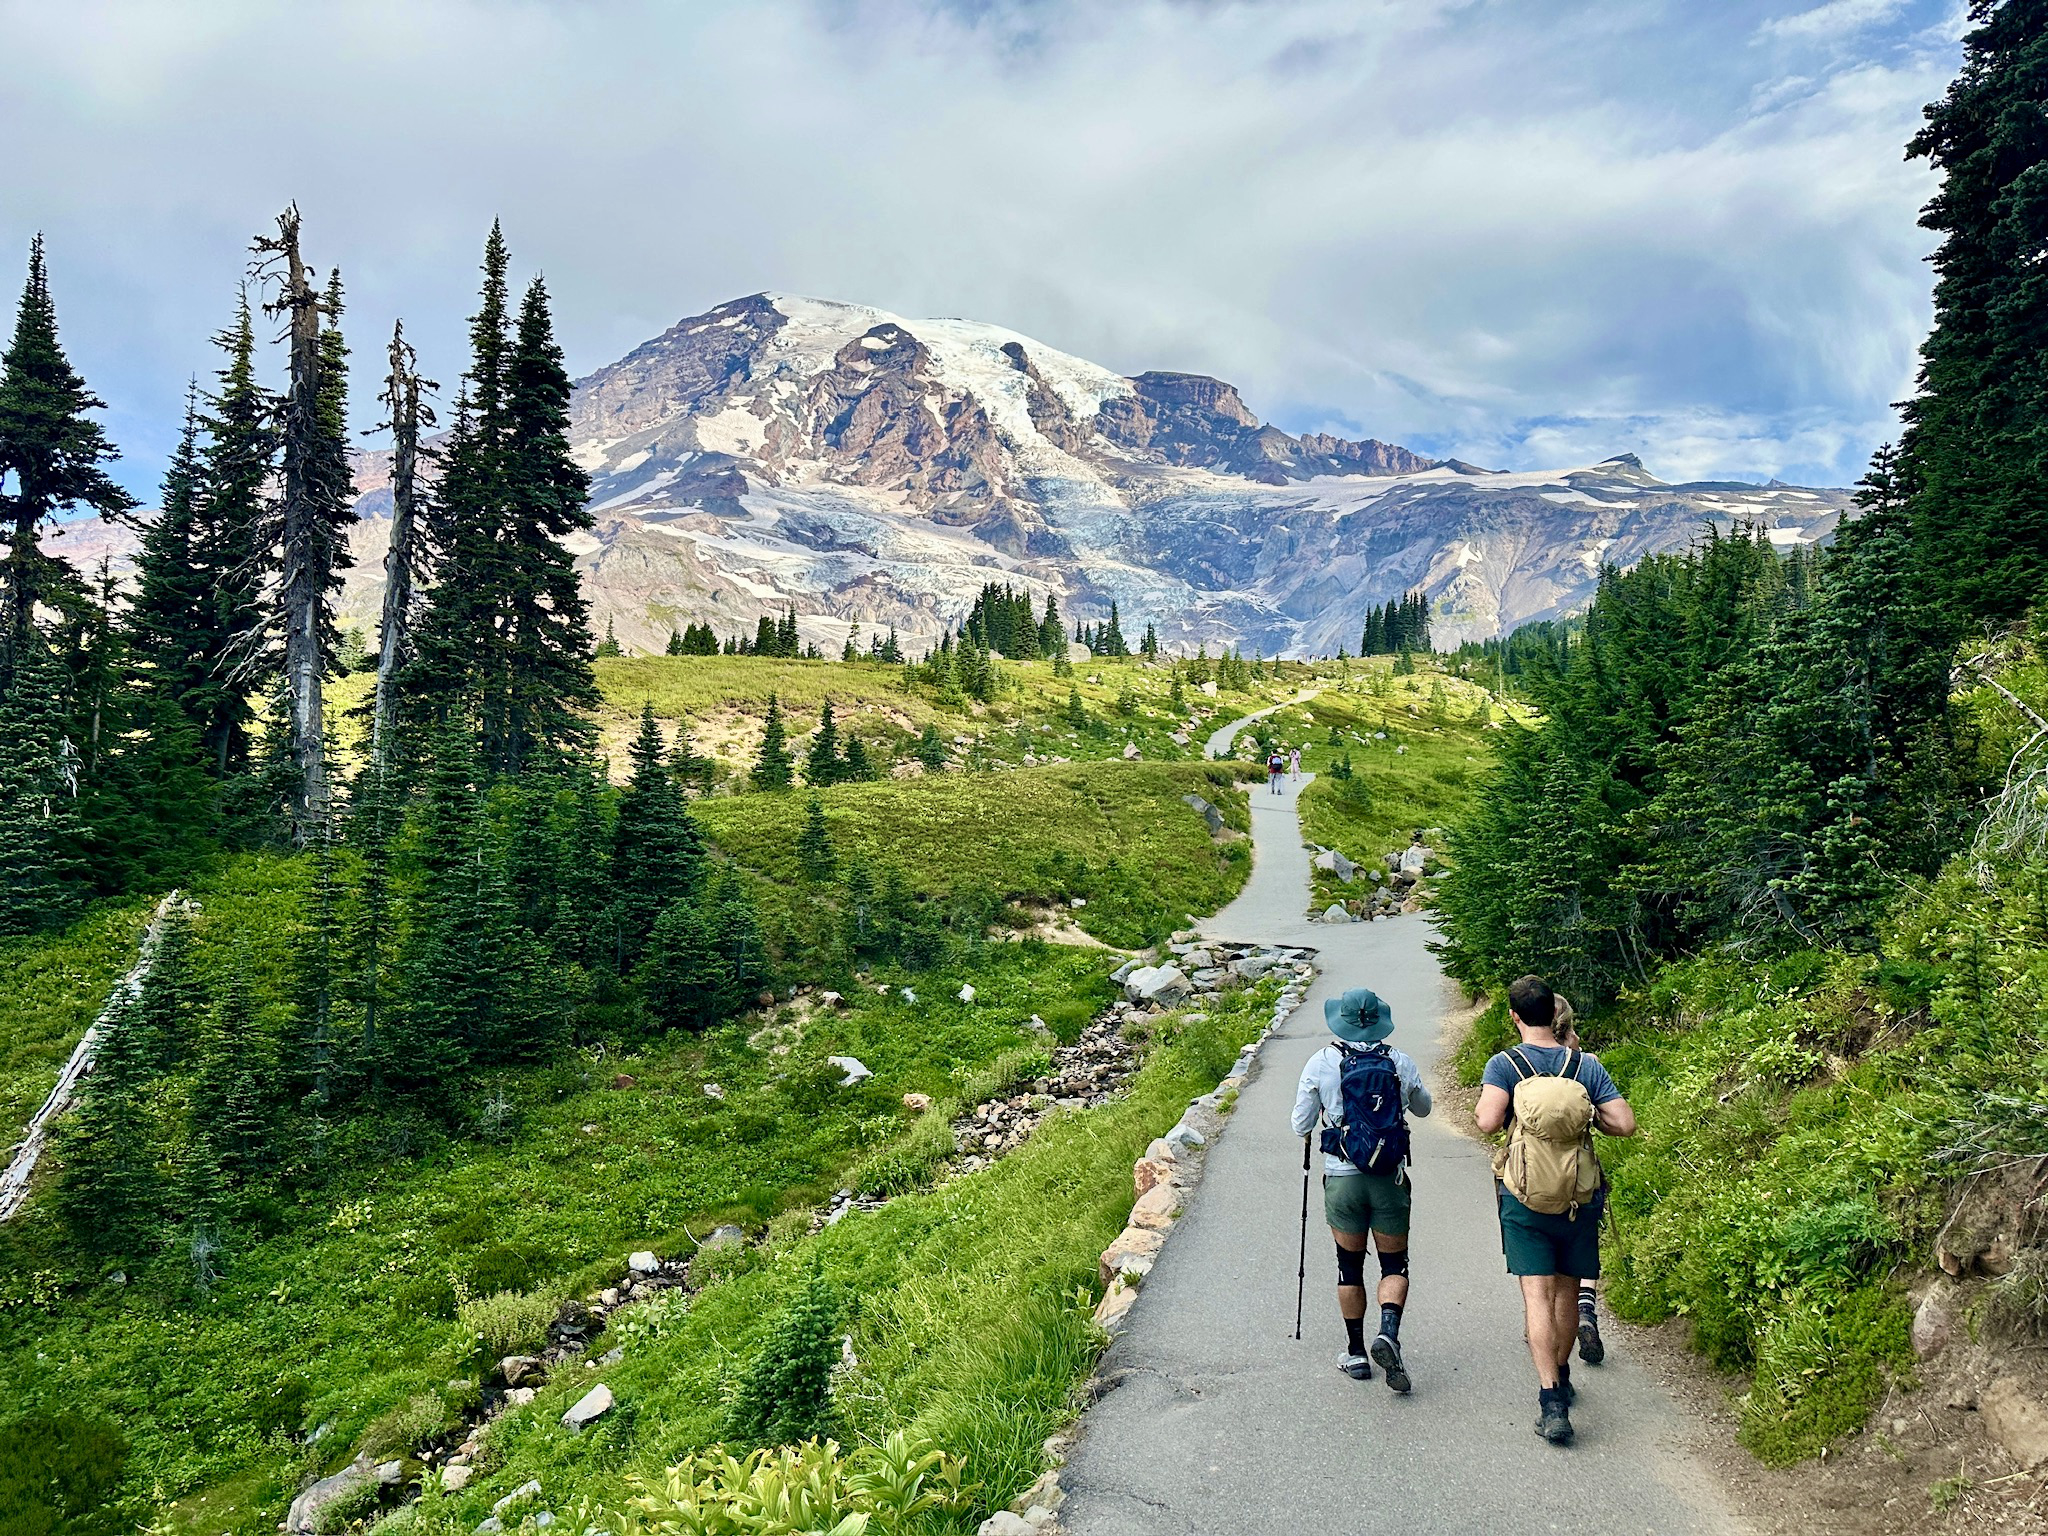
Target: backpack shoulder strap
column 1572, row 1059
column 1523, row 1069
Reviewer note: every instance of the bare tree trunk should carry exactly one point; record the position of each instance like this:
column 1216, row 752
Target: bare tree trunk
column 300, row 592
column 402, row 397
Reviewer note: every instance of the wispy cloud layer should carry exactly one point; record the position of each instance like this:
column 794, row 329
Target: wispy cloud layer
column 1522, row 234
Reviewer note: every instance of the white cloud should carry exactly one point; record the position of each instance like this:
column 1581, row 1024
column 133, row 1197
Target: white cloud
column 1446, row 222
column 1836, row 19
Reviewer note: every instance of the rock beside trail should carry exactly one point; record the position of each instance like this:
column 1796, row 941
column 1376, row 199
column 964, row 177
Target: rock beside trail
column 852, row 1070
column 643, row 1263
column 1157, row 984
column 304, row 1515
column 589, row 1408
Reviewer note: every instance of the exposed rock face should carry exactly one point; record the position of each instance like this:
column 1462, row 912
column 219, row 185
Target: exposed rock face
column 868, row 468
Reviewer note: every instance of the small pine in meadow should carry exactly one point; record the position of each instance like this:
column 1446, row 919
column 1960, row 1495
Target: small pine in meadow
column 814, row 845
column 786, row 1394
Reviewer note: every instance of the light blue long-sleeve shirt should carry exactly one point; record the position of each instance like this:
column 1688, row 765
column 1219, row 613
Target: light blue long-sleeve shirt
column 1320, row 1100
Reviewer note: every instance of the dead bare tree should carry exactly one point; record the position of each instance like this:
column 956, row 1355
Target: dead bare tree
column 314, row 504
column 407, row 413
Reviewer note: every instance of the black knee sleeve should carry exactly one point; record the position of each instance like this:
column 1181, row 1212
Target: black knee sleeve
column 1350, row 1266
column 1392, row 1264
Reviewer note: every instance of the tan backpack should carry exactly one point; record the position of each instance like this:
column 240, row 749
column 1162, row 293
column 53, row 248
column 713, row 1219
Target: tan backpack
column 1548, row 1162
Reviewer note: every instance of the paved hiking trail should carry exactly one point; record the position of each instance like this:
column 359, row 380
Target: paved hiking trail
column 1216, row 1421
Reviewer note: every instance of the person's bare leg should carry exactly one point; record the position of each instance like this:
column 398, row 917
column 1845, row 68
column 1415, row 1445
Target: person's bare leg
column 1564, row 1315
column 1541, row 1318
column 1394, row 1288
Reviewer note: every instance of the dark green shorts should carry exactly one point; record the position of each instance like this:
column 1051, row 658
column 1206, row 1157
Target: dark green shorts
column 1366, row 1202
column 1539, row 1244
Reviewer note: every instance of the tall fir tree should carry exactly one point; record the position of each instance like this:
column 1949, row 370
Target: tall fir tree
column 822, row 762
column 39, row 885
column 108, row 1191
column 773, row 766
column 657, row 850
column 51, row 453
column 814, row 851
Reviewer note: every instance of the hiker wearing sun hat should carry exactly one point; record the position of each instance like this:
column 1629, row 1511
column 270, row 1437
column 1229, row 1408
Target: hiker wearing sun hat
column 1361, row 1090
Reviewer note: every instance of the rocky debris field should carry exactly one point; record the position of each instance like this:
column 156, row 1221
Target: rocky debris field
column 1397, row 886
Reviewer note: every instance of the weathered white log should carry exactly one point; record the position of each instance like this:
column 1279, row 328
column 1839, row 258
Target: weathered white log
column 21, row 1168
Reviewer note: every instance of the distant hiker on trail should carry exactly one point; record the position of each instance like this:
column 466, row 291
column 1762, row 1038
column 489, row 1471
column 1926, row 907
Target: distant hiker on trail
column 1549, row 1097
column 1592, row 1349
column 1294, row 763
column 1362, row 1091
column 1276, row 765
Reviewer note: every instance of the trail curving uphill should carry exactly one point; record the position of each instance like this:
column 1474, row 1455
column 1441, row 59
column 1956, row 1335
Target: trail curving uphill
column 1215, row 1422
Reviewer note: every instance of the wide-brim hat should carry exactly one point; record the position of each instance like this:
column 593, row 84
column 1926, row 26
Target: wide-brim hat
column 1360, row 1016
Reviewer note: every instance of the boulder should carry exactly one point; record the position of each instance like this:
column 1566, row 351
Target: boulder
column 1198, row 959
column 723, row 1237
column 2016, row 1421
column 1122, row 972
column 304, row 1515
column 852, row 1071
column 1931, row 1323
column 530, row 1489
column 624, row 1080
column 1415, row 858
column 590, row 1407
column 1037, row 1025
column 1156, row 984
column 910, row 997
column 643, row 1263
column 917, row 1103
column 1116, row 1303
column 1130, row 751
column 516, row 1369
column 831, row 1000
column 1148, row 1172
column 1252, row 967
column 519, row 1397
column 1131, row 1253
column 455, row 1479
column 1335, row 913
column 1156, row 1208
column 1184, row 1136
column 966, row 993
column 1162, row 1151
column 713, row 1091
column 1003, row 1523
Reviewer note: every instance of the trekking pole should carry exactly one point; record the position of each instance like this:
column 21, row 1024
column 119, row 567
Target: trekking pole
column 1301, row 1274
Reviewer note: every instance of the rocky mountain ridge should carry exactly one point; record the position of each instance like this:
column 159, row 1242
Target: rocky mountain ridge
column 877, row 471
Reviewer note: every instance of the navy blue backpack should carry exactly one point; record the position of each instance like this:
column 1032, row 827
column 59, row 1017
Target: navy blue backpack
column 1373, row 1135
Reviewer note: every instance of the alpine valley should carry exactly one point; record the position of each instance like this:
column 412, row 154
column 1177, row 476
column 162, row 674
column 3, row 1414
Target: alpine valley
column 869, row 469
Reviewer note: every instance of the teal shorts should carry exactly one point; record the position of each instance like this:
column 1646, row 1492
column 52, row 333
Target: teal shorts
column 1540, row 1244
column 1367, row 1202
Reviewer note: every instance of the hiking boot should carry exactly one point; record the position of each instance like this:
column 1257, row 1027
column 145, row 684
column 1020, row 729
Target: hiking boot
column 1386, row 1353
column 1591, row 1349
column 1555, row 1421
column 1357, row 1367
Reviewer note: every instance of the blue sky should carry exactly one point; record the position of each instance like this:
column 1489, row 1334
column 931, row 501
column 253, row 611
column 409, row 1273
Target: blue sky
column 1530, row 233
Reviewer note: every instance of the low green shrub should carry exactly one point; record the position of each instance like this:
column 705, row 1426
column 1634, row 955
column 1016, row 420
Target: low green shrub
column 913, row 1162
column 408, row 1426
column 506, row 1324
column 58, row 1473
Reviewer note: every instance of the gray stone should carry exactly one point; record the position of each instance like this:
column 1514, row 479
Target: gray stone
column 456, row 1478
column 590, row 1407
column 1931, row 1325
column 1122, row 972
column 1004, row 1523
column 306, row 1509
column 530, row 1489
column 1252, row 967
column 851, row 1068
column 488, row 1526
column 1185, row 1136
column 391, row 1473
column 1335, row 913
column 966, row 993
column 2017, row 1421
column 643, row 1263
column 724, row 1237
column 1156, row 984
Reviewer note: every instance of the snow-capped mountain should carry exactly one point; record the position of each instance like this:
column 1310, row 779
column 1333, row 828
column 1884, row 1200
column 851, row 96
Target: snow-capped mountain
column 872, row 469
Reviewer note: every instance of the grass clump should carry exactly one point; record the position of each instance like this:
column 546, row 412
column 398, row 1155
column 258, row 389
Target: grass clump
column 507, row 1323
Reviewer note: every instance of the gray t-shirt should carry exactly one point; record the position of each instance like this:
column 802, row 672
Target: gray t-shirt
column 1501, row 1073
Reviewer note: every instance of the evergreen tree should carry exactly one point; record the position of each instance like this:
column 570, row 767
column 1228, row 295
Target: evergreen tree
column 50, row 455
column 1971, row 456
column 822, row 763
column 931, row 749
column 316, row 960
column 1178, row 697
column 1113, row 643
column 675, row 641
column 609, row 645
column 233, row 1131
column 1077, row 713
column 168, row 612
column 851, row 651
column 891, row 650
column 108, row 1194
column 1052, row 634
column 685, row 979
column 231, row 549
column 859, row 766
column 786, row 1393
column 38, row 780
column 773, row 766
column 165, row 1016
column 737, row 927
column 657, row 851
column 814, row 844
column 1150, row 645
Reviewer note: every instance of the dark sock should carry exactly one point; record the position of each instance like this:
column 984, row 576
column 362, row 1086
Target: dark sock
column 1564, row 1378
column 1585, row 1304
column 1354, row 1334
column 1390, row 1319
column 1545, row 1396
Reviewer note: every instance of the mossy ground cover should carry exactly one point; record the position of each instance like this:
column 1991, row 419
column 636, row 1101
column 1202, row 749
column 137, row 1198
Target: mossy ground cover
column 967, row 1307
